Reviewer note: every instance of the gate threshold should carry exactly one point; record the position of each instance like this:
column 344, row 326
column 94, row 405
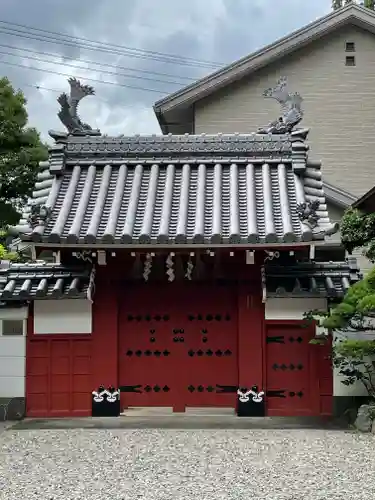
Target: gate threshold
column 151, row 411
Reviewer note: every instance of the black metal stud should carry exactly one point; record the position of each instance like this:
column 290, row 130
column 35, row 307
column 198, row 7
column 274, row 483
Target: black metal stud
column 166, row 388
column 299, row 366
column 129, row 353
column 175, row 331
column 191, row 353
column 204, row 331
column 175, row 339
column 200, row 388
column 157, row 388
column 292, row 394
column 200, row 353
column 209, row 352
column 299, row 339
column 130, row 317
column 291, row 366
column 152, row 339
column 300, row 394
column 283, row 367
column 148, row 353
column 219, row 353
column 199, row 317
column 148, row 317
column 191, row 388
column 166, row 353
column 152, row 331
column 275, row 340
column 157, row 354
column 209, row 317
column 218, row 317
column 204, row 339
column 275, row 366
column 138, row 353
column 181, row 339
column 191, row 317
column 138, row 318
column 166, row 317
column 227, row 353
column 227, row 317
column 210, row 389
column 158, row 317
column 148, row 388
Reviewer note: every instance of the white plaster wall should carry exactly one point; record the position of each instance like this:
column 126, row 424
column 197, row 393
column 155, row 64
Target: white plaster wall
column 62, row 316
column 357, row 389
column 13, row 356
column 292, row 308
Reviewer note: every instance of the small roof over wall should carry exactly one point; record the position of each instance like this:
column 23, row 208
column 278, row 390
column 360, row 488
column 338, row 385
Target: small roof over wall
column 41, row 281
column 250, row 189
column 312, row 279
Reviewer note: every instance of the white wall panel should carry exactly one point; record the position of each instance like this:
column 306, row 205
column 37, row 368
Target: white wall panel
column 292, row 308
column 12, row 387
column 62, row 316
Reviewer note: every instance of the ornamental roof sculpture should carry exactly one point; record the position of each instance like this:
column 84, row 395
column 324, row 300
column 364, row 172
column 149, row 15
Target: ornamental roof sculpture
column 68, row 113
column 181, row 189
column 291, row 110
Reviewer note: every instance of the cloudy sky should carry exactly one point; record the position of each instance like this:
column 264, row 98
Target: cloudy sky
column 133, row 52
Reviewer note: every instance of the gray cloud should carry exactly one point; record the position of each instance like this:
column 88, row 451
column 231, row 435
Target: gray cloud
column 213, row 30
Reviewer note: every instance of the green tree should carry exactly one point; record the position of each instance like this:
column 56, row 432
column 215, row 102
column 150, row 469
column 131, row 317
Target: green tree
column 21, row 150
column 355, row 314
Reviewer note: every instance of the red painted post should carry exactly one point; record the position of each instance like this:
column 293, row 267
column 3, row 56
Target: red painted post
column 250, row 336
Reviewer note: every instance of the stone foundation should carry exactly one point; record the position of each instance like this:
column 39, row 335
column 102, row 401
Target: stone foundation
column 12, row 409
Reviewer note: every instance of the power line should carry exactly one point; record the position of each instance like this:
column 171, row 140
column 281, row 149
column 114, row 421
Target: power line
column 123, row 47
column 112, row 73
column 99, row 47
column 115, row 66
column 82, row 77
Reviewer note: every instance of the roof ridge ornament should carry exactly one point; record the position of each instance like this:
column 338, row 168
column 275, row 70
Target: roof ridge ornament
column 69, row 106
column 291, row 110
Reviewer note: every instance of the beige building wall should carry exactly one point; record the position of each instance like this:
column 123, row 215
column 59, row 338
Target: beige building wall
column 339, row 105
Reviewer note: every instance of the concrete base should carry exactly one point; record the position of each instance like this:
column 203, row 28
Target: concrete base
column 12, row 409
column 181, row 421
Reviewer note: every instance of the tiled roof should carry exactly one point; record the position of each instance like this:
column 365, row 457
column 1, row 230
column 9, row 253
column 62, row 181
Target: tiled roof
column 21, row 282
column 311, row 279
column 177, row 190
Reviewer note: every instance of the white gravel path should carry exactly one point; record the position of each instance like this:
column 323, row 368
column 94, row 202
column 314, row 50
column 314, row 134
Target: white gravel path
column 171, row 464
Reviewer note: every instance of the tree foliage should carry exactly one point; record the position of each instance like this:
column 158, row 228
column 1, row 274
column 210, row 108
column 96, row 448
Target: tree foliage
column 21, row 150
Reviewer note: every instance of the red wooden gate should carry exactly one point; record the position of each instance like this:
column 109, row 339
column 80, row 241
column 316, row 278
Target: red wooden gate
column 291, row 384
column 177, row 343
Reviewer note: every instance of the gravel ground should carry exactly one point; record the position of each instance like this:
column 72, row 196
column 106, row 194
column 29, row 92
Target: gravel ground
column 171, row 464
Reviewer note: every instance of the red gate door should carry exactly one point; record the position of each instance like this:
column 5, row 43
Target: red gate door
column 147, row 347
column 210, row 347
column 289, row 371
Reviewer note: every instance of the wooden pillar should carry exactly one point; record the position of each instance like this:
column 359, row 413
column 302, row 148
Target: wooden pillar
column 105, row 336
column 250, row 336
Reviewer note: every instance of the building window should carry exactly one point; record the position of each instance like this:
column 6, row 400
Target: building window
column 12, row 327
column 350, row 61
column 350, row 47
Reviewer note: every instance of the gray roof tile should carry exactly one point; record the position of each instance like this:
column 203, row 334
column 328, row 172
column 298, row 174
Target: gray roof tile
column 311, row 279
column 177, row 189
column 22, row 282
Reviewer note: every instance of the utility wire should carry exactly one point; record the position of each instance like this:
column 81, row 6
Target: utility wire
column 99, row 47
column 82, row 77
column 112, row 45
column 112, row 73
column 107, row 65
